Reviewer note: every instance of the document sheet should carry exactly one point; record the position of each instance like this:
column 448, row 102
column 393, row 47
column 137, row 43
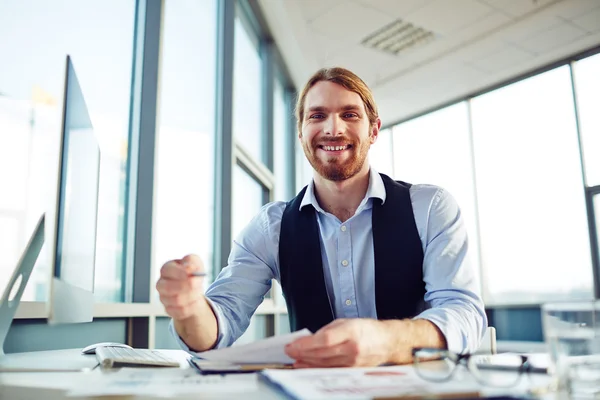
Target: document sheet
column 382, row 382
column 266, row 351
column 161, row 382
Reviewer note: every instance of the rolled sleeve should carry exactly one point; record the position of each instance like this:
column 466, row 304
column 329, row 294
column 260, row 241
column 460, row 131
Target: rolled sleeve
column 452, row 288
column 222, row 327
column 240, row 287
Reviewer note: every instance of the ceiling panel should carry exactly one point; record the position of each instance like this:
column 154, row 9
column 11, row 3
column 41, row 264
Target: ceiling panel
column 516, row 8
column 360, row 60
column 325, row 47
column 575, row 8
column 481, row 28
column 445, row 17
column 396, row 8
column 558, row 35
column 499, row 60
column 527, row 28
column 589, row 21
column 341, row 22
column 312, row 9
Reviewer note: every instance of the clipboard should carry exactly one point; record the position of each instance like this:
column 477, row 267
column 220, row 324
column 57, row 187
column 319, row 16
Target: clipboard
column 206, row 367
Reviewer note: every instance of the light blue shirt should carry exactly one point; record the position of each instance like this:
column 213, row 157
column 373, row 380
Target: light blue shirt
column 452, row 290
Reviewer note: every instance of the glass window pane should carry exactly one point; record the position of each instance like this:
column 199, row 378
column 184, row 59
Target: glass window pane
column 535, row 243
column 435, row 149
column 248, row 197
column 381, row 153
column 247, row 91
column 587, row 80
column 281, row 140
column 596, row 201
column 304, row 171
column 99, row 38
column 184, row 178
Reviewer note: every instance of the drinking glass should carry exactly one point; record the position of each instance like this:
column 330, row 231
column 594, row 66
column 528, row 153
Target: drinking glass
column 572, row 333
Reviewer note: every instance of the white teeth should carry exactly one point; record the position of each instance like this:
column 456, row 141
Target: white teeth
column 334, row 148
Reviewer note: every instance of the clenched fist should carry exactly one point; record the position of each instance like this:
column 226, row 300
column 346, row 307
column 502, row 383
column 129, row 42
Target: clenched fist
column 180, row 291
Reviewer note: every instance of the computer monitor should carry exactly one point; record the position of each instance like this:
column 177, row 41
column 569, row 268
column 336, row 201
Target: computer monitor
column 69, row 225
column 73, row 236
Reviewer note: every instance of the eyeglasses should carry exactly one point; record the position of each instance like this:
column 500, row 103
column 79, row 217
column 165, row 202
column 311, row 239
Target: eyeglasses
column 500, row 370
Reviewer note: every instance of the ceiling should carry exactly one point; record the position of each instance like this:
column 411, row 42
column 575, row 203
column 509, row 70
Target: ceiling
column 477, row 43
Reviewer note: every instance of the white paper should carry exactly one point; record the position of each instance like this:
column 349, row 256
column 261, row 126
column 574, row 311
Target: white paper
column 347, row 383
column 368, row 383
column 160, row 382
column 270, row 350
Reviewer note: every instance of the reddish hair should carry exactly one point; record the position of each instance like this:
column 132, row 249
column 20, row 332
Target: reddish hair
column 349, row 80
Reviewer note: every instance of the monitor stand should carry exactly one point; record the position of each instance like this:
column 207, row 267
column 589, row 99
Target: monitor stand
column 39, row 361
column 18, row 281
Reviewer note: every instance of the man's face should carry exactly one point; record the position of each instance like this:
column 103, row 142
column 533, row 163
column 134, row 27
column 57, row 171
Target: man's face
column 336, row 133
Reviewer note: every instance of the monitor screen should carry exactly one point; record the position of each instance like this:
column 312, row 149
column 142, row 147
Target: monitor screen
column 74, row 236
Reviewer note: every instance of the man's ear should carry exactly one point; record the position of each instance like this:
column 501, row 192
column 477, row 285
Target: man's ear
column 375, row 130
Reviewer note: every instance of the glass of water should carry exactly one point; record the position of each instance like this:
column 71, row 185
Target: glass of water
column 572, row 332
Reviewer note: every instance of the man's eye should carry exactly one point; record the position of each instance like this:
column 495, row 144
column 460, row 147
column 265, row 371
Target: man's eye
column 316, row 116
column 350, row 115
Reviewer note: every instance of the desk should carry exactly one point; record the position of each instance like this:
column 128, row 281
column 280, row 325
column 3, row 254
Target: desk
column 53, row 385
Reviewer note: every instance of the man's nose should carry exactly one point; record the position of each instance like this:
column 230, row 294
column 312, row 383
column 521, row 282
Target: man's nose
column 334, row 125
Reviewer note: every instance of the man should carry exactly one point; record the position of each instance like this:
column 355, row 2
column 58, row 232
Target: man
column 372, row 266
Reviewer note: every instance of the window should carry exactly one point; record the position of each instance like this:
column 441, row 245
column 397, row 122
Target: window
column 435, row 149
column 534, row 234
column 99, row 38
column 587, row 83
column 304, row 171
column 247, row 89
column 184, row 209
column 381, row 153
column 282, row 141
column 253, row 194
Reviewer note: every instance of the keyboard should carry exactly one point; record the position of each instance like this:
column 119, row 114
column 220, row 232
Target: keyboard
column 115, row 357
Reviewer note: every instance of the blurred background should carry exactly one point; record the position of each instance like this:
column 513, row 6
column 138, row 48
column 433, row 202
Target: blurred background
column 192, row 104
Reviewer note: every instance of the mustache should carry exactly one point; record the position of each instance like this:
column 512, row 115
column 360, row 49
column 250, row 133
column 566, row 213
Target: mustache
column 328, row 141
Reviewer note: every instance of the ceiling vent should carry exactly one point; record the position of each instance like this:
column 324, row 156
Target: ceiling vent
column 398, row 36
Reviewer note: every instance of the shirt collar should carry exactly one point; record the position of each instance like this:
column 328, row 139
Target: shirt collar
column 376, row 190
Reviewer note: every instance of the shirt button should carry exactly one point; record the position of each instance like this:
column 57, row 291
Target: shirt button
column 345, row 263
column 343, row 228
column 348, row 302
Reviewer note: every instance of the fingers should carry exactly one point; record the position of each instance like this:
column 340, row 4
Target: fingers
column 182, row 287
column 343, row 354
column 178, row 291
column 173, row 270
column 192, row 263
column 330, row 335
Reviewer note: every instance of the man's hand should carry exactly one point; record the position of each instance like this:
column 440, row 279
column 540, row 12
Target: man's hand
column 179, row 291
column 343, row 343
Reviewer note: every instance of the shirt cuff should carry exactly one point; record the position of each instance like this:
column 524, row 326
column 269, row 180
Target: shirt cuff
column 454, row 338
column 222, row 329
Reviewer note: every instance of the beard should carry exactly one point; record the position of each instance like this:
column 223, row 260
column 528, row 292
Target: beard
column 334, row 168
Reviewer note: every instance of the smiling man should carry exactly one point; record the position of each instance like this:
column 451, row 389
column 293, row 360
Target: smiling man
column 372, row 266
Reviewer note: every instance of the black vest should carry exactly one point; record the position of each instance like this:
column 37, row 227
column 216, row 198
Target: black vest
column 399, row 287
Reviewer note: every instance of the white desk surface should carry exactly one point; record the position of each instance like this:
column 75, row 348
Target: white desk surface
column 54, row 385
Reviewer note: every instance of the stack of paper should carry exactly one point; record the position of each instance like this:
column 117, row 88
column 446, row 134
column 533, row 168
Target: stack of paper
column 267, row 351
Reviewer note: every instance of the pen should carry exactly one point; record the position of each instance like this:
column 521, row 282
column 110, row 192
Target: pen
column 197, row 273
column 433, row 396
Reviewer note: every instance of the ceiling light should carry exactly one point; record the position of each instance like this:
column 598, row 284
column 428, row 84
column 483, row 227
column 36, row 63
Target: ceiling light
column 398, row 36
